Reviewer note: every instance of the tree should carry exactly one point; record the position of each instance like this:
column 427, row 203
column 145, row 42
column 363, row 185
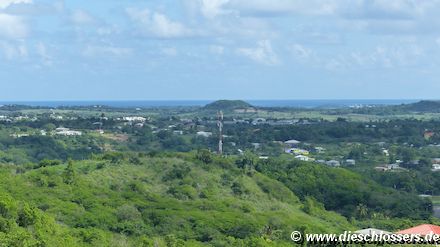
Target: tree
column 204, row 155
column 362, row 211
column 69, row 173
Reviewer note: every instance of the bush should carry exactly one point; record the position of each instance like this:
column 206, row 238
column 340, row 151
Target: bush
column 128, row 213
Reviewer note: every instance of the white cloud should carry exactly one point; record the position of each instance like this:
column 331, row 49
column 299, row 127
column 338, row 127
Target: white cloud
column 217, row 49
column 263, row 53
column 383, row 57
column 12, row 27
column 212, row 8
column 6, row 3
column 300, row 52
column 96, row 51
column 42, row 52
column 276, row 7
column 14, row 50
column 81, row 17
column 157, row 24
column 169, row 51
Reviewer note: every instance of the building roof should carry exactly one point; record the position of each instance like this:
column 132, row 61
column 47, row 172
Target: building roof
column 371, row 231
column 292, row 142
column 422, row 229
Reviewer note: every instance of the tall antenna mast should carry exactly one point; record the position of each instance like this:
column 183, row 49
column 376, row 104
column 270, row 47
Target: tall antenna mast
column 220, row 132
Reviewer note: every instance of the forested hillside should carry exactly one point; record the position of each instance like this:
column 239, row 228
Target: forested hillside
column 190, row 199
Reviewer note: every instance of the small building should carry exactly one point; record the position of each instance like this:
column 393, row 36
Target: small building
column 256, row 145
column 392, row 166
column 59, row 129
column 302, row 158
column 134, row 119
column 371, row 231
column 428, row 134
column 297, row 151
column 99, row 131
column 333, row 163
column 381, row 168
column 204, row 134
column 435, row 167
column 350, row 162
column 69, row 133
column 292, row 143
column 178, row 132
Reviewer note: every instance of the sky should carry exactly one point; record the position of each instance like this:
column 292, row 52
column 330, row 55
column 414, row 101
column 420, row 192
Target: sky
column 219, row 49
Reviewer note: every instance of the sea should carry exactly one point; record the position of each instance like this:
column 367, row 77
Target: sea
column 312, row 103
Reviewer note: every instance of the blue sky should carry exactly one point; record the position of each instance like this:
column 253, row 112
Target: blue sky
column 212, row 49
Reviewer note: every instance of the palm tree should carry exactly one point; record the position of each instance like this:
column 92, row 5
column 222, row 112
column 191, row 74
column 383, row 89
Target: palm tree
column 362, row 210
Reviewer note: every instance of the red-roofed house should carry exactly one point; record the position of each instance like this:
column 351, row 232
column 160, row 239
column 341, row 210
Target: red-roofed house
column 422, row 230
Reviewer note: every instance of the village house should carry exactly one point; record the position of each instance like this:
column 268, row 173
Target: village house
column 292, row 143
column 297, row 151
column 256, row 145
column 67, row 132
column 350, row 162
column 134, row 119
column 428, row 134
column 333, row 163
column 204, row 134
column 178, row 132
column 19, row 135
column 304, row 158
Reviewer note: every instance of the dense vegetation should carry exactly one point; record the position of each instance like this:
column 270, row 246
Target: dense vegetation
column 174, row 198
column 151, row 179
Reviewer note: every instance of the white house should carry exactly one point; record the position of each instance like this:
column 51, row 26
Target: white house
column 178, row 132
column 292, row 143
column 333, row 163
column 303, row 158
column 204, row 134
column 69, row 133
column 435, row 167
column 350, row 162
column 393, row 166
column 134, row 119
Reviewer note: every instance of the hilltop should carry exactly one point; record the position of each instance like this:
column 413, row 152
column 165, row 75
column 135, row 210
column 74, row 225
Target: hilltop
column 228, row 105
column 422, row 106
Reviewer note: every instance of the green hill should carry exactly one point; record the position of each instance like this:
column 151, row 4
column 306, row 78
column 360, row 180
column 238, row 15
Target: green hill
column 226, row 105
column 423, row 106
column 183, row 200
column 135, row 200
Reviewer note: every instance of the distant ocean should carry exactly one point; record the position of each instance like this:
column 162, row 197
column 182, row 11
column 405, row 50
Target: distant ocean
column 261, row 103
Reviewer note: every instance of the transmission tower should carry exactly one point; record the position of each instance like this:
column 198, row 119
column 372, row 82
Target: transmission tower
column 220, row 132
